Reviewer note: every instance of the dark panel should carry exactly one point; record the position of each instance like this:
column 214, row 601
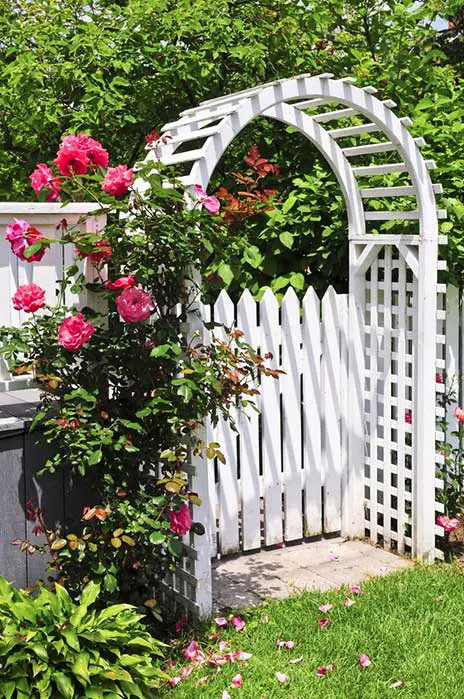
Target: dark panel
column 12, row 500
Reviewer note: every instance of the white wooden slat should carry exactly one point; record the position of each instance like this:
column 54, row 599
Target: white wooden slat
column 373, row 403
column 312, row 453
column 387, row 168
column 271, row 426
column 348, row 112
column 210, row 436
column 370, row 127
column 331, row 445
column 249, row 438
column 406, row 191
column 194, row 135
column 381, row 147
column 229, row 495
column 401, row 409
column 201, row 115
column 291, row 406
column 386, row 389
column 185, row 157
column 393, row 215
column 343, row 321
column 453, row 382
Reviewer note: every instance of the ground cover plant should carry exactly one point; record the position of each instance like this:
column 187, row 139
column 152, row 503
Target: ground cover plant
column 393, row 636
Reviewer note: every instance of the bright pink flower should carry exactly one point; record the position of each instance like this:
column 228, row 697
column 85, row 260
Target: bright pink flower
column 282, row 678
column 181, row 521
column 221, row 621
column 29, row 298
column 449, row 525
column 134, row 305
column 238, row 623
column 355, row 590
column 210, row 203
column 121, row 283
column 118, row 180
column 322, row 670
column 43, row 178
column 102, row 250
column 193, row 652
column 408, row 417
column 324, row 608
column 364, row 660
column 323, row 623
column 77, row 152
column 21, row 235
column 174, row 681
column 349, row 602
column 438, row 378
column 237, row 681
column 74, row 332
column 459, row 414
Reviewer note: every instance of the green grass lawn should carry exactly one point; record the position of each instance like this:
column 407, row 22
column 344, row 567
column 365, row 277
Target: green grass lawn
column 410, row 624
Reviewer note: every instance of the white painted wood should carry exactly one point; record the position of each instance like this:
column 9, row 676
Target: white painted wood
column 229, row 492
column 249, row 437
column 271, row 425
column 346, row 131
column 343, row 321
column 331, row 440
column 401, row 405
column 386, row 397
column 194, row 135
column 184, row 157
column 372, row 413
column 392, row 215
column 408, row 190
column 291, row 407
column 312, row 452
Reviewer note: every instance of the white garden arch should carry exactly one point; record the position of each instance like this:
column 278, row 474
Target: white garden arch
column 388, row 479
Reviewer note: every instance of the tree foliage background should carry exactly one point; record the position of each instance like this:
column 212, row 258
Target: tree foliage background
column 120, row 69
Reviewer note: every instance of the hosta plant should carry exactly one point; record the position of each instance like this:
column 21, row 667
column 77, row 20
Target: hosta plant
column 52, row 647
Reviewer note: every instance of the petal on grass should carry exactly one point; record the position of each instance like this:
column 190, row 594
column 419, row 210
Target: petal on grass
column 237, row 682
column 324, row 608
column 282, row 677
column 364, row 660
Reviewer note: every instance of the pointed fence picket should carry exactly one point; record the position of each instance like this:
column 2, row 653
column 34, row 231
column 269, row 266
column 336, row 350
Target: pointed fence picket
column 284, row 466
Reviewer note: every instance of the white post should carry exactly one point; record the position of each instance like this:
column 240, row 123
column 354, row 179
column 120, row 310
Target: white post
column 423, row 525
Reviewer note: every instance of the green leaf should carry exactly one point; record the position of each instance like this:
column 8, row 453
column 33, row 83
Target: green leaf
column 80, row 667
column 225, row 272
column 286, row 239
column 157, row 538
column 64, row 685
column 94, row 457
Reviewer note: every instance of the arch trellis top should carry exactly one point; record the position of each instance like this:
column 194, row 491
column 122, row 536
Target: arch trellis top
column 295, row 101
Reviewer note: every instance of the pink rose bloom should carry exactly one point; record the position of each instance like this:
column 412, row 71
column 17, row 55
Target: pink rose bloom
column 408, row 417
column 180, row 521
column 459, row 414
column 43, row 178
column 355, row 589
column 103, row 250
column 74, row 332
column 323, row 623
column 77, row 152
column 449, row 525
column 211, row 204
column 438, row 378
column 29, row 298
column 121, row 283
column 237, row 682
column 20, row 236
column 118, row 180
column 134, row 305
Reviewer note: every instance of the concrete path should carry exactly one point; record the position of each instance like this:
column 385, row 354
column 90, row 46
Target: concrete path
column 248, row 580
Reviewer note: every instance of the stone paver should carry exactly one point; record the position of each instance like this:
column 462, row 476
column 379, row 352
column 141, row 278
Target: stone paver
column 249, row 580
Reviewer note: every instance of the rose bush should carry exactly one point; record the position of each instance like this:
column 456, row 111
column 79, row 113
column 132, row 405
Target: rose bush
column 125, row 390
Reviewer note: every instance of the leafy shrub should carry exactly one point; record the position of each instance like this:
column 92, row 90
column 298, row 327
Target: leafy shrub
column 51, row 647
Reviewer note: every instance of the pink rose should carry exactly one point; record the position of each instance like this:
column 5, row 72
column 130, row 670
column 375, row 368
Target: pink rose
column 408, row 417
column 134, row 305
column 102, row 250
column 180, row 521
column 118, row 180
column 77, row 152
column 21, row 235
column 74, row 332
column 449, row 525
column 459, row 414
column 121, row 283
column 211, row 204
column 43, row 178
column 29, row 298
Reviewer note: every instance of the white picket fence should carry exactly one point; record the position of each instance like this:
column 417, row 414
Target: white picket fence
column 284, row 468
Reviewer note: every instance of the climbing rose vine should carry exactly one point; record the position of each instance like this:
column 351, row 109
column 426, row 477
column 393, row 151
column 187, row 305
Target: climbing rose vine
column 124, row 387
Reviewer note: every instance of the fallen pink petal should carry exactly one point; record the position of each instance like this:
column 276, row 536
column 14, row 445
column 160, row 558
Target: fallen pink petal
column 221, row 621
column 282, row 677
column 174, row 681
column 323, row 623
column 364, row 660
column 225, row 694
column 242, row 655
column 222, row 646
column 238, row 623
column 333, row 557
column 349, row 602
column 237, row 682
column 322, row 670
column 324, row 608
column 397, row 685
column 355, row 590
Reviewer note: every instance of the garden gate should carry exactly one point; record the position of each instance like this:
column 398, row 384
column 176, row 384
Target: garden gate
column 379, row 480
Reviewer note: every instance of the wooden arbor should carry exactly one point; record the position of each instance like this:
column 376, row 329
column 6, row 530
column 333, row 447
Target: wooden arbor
column 388, row 489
